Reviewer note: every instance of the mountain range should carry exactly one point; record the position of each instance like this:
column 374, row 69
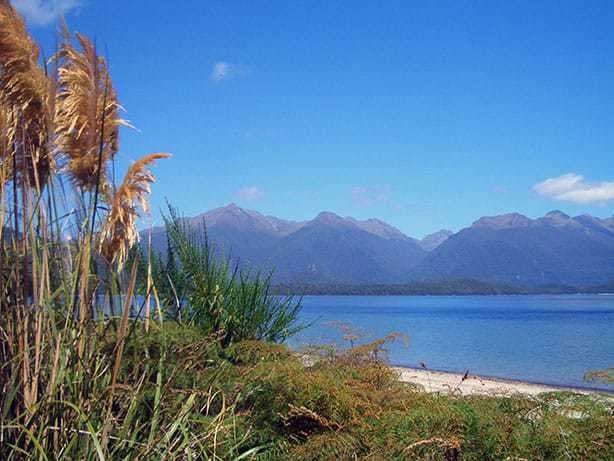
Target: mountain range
column 510, row 248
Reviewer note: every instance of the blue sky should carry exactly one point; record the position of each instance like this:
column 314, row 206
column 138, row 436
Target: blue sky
column 427, row 115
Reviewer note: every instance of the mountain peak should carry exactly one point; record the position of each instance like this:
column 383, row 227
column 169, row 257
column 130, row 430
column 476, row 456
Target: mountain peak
column 231, row 206
column 379, row 228
column 593, row 223
column 558, row 215
column 504, row 221
column 283, row 226
column 328, row 217
column 446, row 232
column 432, row 241
column 557, row 218
column 233, row 216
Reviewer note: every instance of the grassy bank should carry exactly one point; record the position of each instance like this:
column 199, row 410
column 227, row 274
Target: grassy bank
column 180, row 394
column 259, row 400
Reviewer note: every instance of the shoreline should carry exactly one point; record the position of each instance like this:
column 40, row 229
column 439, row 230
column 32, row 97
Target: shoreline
column 411, row 293
column 417, row 295
column 434, row 381
column 422, row 295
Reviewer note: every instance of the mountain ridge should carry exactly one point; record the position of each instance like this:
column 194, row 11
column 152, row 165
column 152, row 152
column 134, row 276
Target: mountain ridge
column 509, row 248
column 512, row 248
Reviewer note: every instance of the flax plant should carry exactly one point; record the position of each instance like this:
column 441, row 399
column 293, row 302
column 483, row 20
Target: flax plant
column 216, row 295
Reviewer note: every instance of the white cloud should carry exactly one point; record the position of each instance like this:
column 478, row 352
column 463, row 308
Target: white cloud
column 574, row 188
column 552, row 187
column 250, row 194
column 43, row 12
column 225, row 71
column 370, row 196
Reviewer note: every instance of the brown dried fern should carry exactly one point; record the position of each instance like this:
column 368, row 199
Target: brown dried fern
column 303, row 421
column 451, row 447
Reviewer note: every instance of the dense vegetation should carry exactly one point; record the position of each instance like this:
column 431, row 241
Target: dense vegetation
column 208, row 291
column 445, row 287
column 192, row 368
column 345, row 404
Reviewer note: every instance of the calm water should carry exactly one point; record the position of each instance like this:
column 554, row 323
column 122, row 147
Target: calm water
column 543, row 339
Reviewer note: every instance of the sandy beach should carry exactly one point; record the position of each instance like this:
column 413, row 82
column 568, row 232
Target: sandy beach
column 445, row 382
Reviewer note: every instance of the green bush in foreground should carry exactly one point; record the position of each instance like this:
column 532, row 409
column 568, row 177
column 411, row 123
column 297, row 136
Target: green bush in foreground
column 215, row 296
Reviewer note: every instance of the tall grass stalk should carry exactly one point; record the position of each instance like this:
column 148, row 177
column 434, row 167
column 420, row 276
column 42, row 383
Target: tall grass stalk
column 64, row 235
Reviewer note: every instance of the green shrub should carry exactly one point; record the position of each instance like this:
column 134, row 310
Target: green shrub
column 206, row 290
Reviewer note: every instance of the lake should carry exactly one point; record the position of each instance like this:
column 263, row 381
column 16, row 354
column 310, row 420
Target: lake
column 549, row 339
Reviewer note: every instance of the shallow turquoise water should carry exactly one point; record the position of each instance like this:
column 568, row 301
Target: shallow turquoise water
column 544, row 339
